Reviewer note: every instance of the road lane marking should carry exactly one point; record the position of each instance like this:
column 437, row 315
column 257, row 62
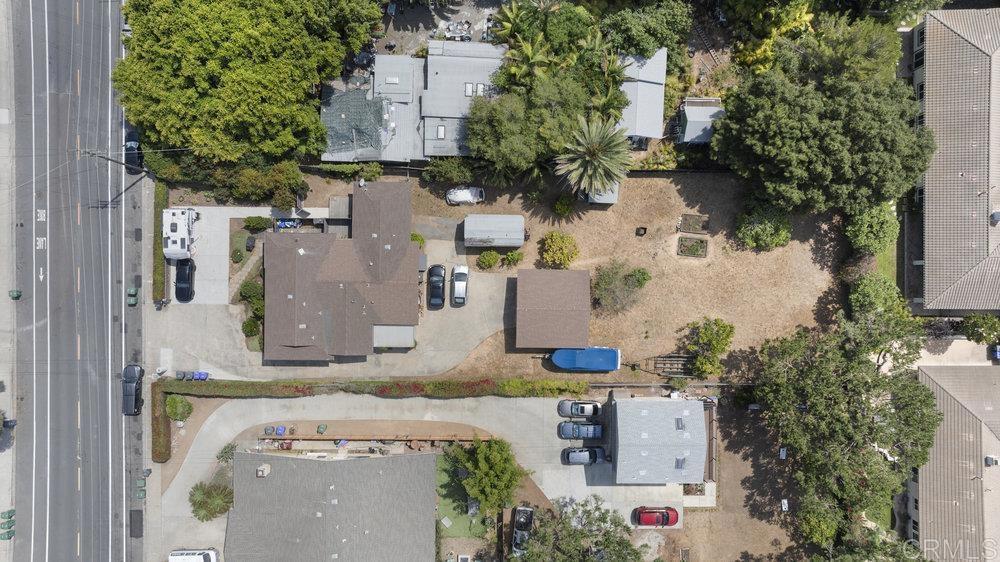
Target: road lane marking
column 79, row 477
column 77, row 12
column 77, row 279
column 78, row 134
column 34, row 302
column 48, row 306
column 78, row 207
column 77, row 346
column 78, row 414
column 78, row 544
column 78, row 95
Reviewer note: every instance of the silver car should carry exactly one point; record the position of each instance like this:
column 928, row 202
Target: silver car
column 459, row 285
column 578, row 408
column 584, row 456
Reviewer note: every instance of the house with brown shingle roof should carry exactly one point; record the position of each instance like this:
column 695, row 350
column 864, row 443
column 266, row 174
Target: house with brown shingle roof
column 326, row 296
column 953, row 501
column 553, row 308
column 956, row 73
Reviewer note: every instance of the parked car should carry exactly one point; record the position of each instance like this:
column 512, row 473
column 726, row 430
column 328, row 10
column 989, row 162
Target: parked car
column 459, row 285
column 194, row 555
column 584, row 456
column 523, row 518
column 184, row 280
column 465, row 196
column 578, row 408
column 577, row 430
column 133, row 153
column 251, row 242
column 132, row 390
column 435, row 286
column 655, row 516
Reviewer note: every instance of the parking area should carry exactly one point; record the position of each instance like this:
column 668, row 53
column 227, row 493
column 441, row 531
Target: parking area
column 408, row 25
column 529, row 424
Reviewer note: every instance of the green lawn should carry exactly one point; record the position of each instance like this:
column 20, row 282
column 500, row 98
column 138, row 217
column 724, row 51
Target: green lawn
column 887, row 258
column 452, row 505
column 882, row 515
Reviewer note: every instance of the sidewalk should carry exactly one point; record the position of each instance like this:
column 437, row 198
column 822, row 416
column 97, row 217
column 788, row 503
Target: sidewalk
column 8, row 266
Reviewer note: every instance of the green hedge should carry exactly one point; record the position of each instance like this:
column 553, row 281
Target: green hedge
column 160, row 202
column 160, row 430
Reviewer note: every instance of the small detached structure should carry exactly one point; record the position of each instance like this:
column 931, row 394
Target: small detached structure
column 643, row 86
column 502, row 231
column 657, row 440
column 697, row 117
column 178, row 232
column 553, row 308
column 311, row 510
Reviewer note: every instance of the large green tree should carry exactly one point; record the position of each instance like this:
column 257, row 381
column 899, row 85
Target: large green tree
column 492, row 473
column 644, row 29
column 226, row 78
column 854, row 427
column 581, row 531
column 850, row 146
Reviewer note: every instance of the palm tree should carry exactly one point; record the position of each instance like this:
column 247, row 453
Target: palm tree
column 512, row 19
column 605, row 103
column 597, row 158
column 529, row 58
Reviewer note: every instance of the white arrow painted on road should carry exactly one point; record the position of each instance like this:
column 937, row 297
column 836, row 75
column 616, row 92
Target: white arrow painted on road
column 41, row 274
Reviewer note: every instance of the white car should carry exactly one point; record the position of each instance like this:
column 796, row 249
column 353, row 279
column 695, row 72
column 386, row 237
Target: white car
column 465, row 196
column 459, row 285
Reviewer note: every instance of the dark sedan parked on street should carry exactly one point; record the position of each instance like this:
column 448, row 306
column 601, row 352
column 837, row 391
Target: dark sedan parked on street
column 435, row 286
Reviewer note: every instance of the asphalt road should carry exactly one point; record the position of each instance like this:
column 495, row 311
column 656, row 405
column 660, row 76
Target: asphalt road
column 76, row 252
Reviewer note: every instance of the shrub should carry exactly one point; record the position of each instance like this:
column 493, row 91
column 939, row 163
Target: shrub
column 518, row 387
column 563, row 207
column 257, row 224
column 982, row 328
column 225, row 455
column 447, row 170
column 615, row 287
column 491, row 472
column 237, row 255
column 418, row 238
column 250, row 290
column 873, row 230
column 257, row 309
column 513, row 258
column 534, row 196
column 488, row 259
column 161, row 201
column 709, row 339
column 160, row 423
column 283, row 199
column 764, row 228
column 558, row 249
column 178, row 407
column 371, row 171
column 251, row 327
column 874, row 292
column 209, row 501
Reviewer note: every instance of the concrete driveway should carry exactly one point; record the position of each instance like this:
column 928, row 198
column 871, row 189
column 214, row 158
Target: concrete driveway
column 529, row 424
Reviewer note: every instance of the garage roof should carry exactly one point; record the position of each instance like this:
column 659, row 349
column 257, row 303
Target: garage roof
column 553, row 308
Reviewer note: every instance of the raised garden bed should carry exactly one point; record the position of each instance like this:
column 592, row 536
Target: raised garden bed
column 694, row 224
column 692, row 247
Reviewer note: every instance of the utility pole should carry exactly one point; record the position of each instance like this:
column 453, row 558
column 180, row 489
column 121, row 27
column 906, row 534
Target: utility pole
column 103, row 157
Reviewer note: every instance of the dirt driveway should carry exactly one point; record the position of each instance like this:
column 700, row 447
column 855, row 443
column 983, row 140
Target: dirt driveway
column 763, row 294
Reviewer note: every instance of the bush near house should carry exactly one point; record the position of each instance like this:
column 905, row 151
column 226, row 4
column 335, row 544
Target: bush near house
column 764, row 228
column 488, row 259
column 251, row 290
column 558, row 249
column 178, row 407
column 237, row 256
column 873, row 230
column 418, row 238
column 251, row 327
column 982, row 328
column 210, row 500
column 513, row 258
column 451, row 170
column 492, row 473
column 563, row 207
column 257, row 224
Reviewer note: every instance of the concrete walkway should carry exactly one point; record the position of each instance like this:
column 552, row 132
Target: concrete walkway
column 953, row 352
column 529, row 424
column 8, row 358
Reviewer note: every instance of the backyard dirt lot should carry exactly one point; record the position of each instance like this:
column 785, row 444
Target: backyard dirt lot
column 763, row 294
column 747, row 524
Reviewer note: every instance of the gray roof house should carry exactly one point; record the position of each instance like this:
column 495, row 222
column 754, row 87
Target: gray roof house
column 657, row 440
column 326, row 296
column 414, row 108
column 310, row 510
column 697, row 117
column 952, row 499
column 644, row 83
column 956, row 72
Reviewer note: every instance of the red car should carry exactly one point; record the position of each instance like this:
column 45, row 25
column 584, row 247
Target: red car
column 655, row 516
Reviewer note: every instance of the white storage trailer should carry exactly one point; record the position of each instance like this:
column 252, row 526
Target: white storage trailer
column 505, row 231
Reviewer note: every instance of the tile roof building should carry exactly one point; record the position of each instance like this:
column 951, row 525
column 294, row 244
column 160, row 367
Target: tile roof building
column 310, row 510
column 657, row 440
column 414, row 108
column 956, row 74
column 553, row 308
column 327, row 297
column 644, row 84
column 954, row 498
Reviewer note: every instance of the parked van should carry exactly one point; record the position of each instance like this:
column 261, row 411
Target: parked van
column 505, row 231
column 132, row 390
column 194, row 555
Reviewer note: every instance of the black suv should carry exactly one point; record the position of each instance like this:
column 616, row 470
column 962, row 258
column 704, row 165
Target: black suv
column 132, row 390
column 184, row 282
column 435, row 286
column 133, row 153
